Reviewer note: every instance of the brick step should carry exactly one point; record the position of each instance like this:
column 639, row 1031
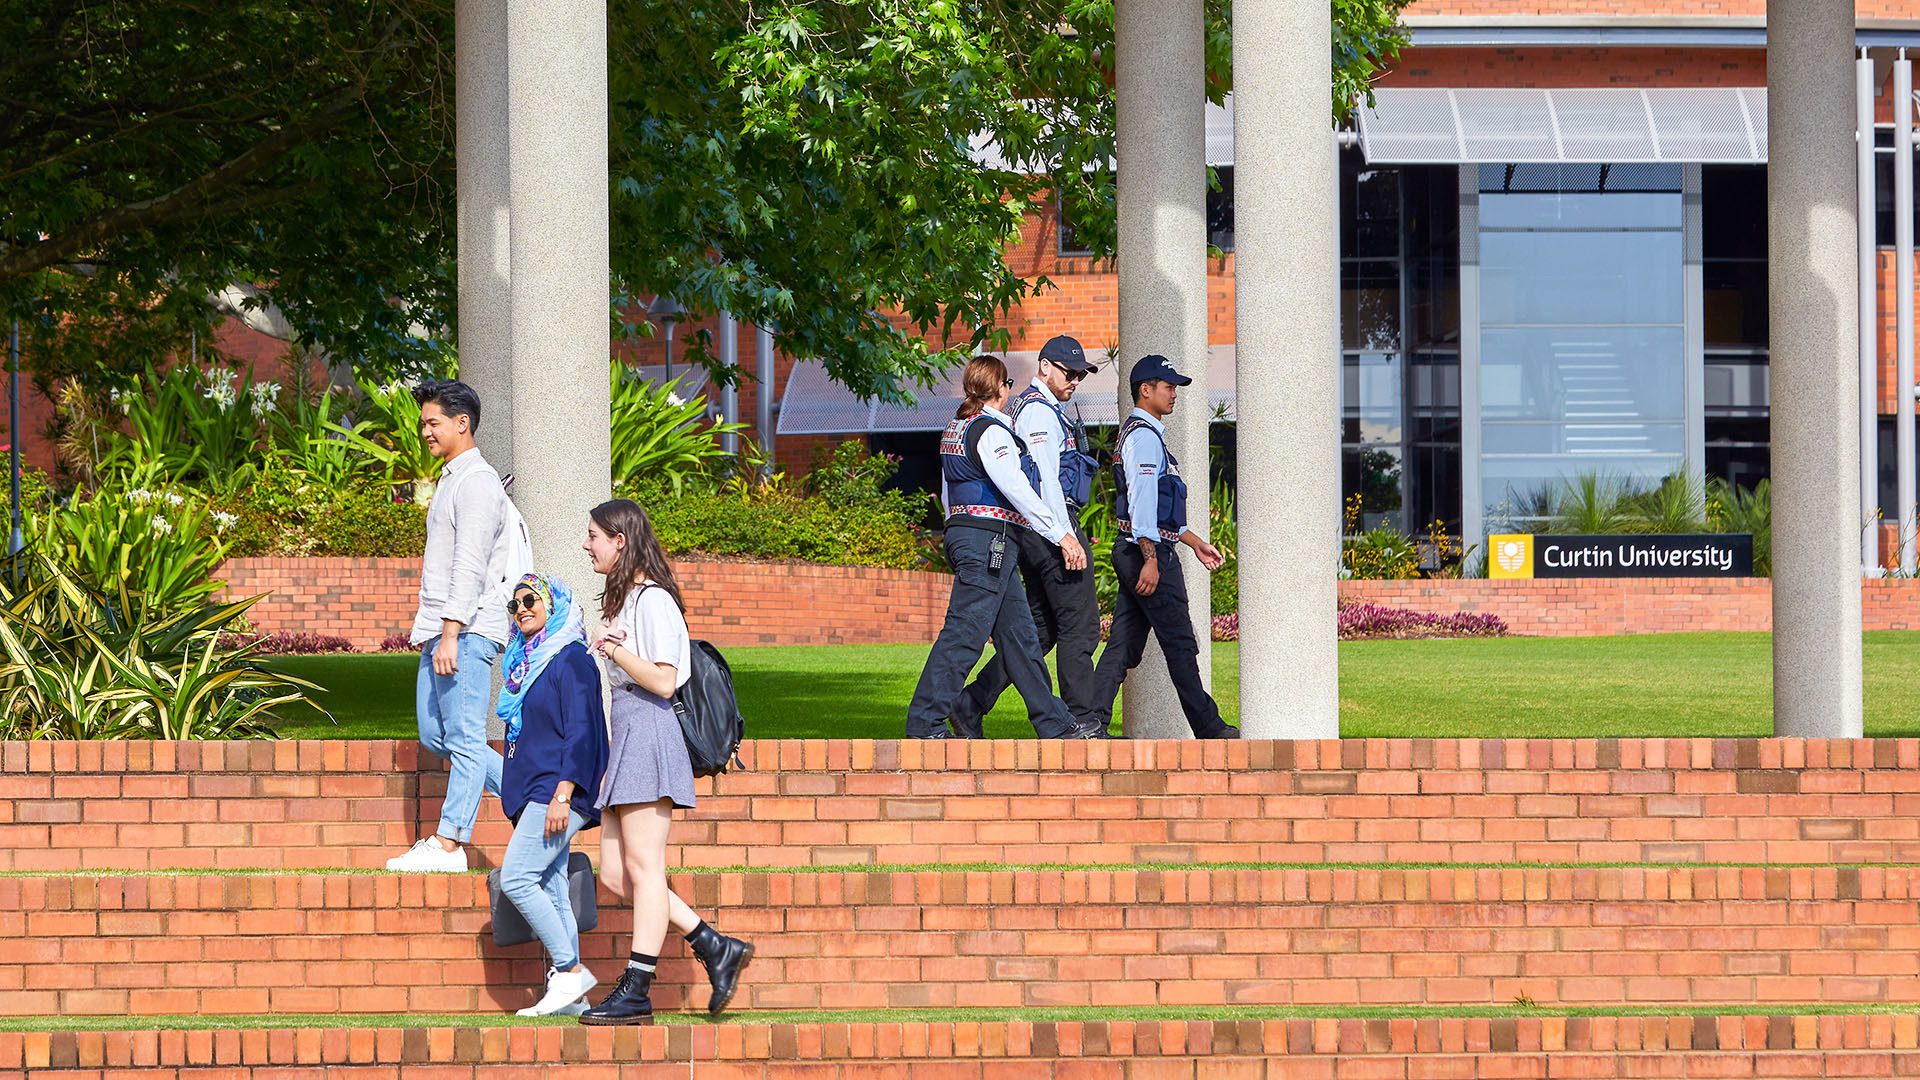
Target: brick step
column 118, row 805
column 1313, row 1049
column 1575, row 937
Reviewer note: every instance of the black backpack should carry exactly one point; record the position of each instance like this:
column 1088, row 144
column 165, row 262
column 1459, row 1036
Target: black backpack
column 709, row 713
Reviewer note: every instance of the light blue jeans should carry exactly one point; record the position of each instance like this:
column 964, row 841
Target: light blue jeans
column 453, row 724
column 534, row 876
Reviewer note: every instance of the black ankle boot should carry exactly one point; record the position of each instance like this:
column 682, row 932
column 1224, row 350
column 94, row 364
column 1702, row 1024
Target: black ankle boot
column 628, row 1003
column 725, row 958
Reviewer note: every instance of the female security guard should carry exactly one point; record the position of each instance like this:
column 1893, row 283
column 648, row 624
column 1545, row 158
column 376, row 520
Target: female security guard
column 987, row 483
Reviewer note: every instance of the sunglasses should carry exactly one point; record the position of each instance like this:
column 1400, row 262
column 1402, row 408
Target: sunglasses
column 515, row 603
column 1072, row 376
column 1008, row 383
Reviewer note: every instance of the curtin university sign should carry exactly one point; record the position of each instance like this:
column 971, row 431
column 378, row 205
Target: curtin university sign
column 1528, row 555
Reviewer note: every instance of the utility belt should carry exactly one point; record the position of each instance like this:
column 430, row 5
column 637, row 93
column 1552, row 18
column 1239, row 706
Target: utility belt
column 1126, row 529
column 959, row 515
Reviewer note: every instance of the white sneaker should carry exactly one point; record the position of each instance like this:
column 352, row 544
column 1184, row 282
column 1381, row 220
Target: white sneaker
column 428, row 857
column 564, row 991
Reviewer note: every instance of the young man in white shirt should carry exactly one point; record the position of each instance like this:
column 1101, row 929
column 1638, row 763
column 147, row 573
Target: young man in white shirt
column 1066, row 607
column 461, row 625
column 1152, row 507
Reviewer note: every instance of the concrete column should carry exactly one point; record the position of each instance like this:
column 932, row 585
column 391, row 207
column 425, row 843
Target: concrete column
column 1811, row 225
column 1287, row 368
column 480, row 170
column 557, row 153
column 1161, row 166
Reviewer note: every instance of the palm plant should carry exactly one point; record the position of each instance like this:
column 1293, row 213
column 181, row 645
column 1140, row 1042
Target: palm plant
column 1735, row 509
column 79, row 662
column 1591, row 504
column 658, row 435
column 1677, row 505
column 388, row 433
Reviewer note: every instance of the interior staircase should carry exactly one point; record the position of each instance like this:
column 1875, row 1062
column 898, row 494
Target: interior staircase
column 1357, row 908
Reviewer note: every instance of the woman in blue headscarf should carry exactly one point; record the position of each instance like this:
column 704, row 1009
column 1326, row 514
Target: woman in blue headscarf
column 556, row 758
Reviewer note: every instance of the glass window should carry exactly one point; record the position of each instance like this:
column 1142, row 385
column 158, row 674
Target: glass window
column 1220, row 209
column 1583, row 352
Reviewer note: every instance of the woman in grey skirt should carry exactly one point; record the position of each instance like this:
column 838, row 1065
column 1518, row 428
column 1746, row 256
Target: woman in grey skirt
column 648, row 651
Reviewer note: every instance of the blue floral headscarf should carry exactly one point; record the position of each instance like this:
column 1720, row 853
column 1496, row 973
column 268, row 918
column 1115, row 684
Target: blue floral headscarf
column 527, row 656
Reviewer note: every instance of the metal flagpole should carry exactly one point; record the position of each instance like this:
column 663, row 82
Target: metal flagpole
column 1903, row 301
column 1869, row 320
column 16, row 540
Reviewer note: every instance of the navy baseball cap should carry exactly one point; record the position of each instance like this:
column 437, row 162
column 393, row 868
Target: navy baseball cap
column 1153, row 367
column 1065, row 352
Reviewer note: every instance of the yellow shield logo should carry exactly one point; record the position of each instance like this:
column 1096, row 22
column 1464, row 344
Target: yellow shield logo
column 1510, row 555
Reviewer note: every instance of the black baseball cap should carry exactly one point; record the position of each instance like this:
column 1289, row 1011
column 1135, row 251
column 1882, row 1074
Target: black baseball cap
column 1154, row 367
column 1065, row 352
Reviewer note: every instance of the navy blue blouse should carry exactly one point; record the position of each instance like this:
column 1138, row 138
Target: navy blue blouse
column 563, row 736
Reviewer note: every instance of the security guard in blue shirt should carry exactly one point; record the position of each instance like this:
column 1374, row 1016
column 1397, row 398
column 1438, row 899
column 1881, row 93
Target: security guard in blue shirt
column 1065, row 602
column 987, row 483
column 1152, row 507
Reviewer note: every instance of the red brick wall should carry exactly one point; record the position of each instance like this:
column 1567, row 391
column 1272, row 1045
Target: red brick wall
column 729, row 603
column 1576, row 607
column 1464, row 1048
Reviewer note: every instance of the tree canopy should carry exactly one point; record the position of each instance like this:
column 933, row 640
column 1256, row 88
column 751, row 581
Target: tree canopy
column 807, row 164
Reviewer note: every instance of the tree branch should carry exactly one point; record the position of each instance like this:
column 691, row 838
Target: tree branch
column 192, row 199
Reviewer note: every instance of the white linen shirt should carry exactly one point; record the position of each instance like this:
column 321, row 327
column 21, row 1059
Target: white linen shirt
column 1038, row 425
column 1000, row 457
column 463, row 572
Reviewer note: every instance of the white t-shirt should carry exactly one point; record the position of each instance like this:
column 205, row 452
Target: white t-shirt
column 656, row 632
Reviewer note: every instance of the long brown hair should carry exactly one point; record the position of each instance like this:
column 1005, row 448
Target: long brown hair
column 640, row 559
column 986, row 376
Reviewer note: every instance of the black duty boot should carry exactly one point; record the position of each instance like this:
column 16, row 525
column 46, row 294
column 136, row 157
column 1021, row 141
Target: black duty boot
column 628, row 1003
column 725, row 958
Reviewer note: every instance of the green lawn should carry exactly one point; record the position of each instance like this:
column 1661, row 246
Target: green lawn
column 1668, row 684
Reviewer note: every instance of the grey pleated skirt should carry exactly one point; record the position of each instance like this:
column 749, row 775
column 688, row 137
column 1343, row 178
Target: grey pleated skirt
column 648, row 759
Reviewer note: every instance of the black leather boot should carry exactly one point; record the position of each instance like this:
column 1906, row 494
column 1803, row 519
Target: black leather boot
column 627, row 1004
column 725, row 958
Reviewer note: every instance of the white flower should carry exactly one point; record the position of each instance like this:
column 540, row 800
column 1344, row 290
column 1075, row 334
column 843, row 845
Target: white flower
column 219, row 389
column 176, row 499
column 675, row 399
column 222, row 521
column 140, row 495
column 162, row 527
column 261, row 397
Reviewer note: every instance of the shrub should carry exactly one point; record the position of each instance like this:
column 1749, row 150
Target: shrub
column 398, row 643
column 1363, row 621
column 77, row 662
column 286, row 643
column 846, row 517
column 153, row 550
column 285, row 513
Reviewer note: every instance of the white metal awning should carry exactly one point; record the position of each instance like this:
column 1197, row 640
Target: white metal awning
column 1598, row 125
column 1219, row 144
column 816, row 405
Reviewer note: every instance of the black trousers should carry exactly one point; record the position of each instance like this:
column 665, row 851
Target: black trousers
column 1066, row 613
column 985, row 603
column 1165, row 614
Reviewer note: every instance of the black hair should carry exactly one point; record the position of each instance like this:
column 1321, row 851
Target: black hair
column 1141, row 383
column 454, row 397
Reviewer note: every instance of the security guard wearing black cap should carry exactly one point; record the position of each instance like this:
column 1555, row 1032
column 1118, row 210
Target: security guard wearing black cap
column 1066, row 606
column 988, row 482
column 1152, row 507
